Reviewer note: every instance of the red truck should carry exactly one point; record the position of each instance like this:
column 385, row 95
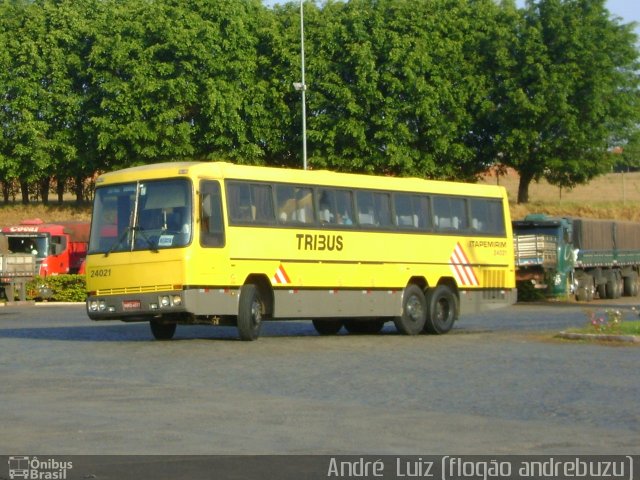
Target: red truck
column 58, row 247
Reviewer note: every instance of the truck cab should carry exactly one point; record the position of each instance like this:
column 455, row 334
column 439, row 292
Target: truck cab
column 544, row 253
column 59, row 248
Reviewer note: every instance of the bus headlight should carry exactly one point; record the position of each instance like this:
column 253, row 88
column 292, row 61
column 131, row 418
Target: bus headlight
column 176, row 300
column 164, row 301
column 97, row 305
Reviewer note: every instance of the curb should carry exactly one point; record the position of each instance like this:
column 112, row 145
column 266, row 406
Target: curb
column 31, row 303
column 599, row 336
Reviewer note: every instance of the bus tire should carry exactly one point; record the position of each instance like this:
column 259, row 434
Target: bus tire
column 442, row 310
column 162, row 331
column 327, row 327
column 366, row 327
column 250, row 312
column 414, row 311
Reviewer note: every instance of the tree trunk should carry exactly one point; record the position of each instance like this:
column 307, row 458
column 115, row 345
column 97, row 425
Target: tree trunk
column 79, row 189
column 44, row 185
column 24, row 189
column 523, row 186
column 60, row 188
column 6, row 191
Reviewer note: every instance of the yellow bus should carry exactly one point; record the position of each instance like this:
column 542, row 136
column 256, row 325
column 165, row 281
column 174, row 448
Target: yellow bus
column 223, row 244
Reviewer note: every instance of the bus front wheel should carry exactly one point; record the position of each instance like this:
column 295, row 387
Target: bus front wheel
column 162, row 331
column 250, row 312
column 414, row 311
column 442, row 310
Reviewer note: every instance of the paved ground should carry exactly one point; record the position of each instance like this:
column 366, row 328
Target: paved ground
column 499, row 383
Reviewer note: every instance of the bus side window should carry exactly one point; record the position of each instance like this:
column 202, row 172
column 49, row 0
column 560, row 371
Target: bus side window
column 327, row 206
column 249, row 203
column 366, row 213
column 335, row 206
column 344, row 207
column 262, row 203
column 211, row 221
column 239, row 201
column 487, row 216
column 382, row 209
column 406, row 215
column 450, row 213
column 295, row 204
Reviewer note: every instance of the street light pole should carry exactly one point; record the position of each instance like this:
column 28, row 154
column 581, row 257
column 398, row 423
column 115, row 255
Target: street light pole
column 303, row 88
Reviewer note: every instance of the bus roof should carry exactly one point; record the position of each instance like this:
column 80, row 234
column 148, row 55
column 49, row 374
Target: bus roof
column 225, row 170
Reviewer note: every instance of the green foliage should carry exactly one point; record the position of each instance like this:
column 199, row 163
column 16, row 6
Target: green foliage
column 567, row 83
column 611, row 322
column 59, row 288
column 431, row 88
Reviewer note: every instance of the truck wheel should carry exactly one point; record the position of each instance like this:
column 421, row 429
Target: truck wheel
column 585, row 290
column 327, row 327
column 612, row 286
column 414, row 311
column 162, row 331
column 581, row 294
column 442, row 310
column 250, row 312
column 631, row 285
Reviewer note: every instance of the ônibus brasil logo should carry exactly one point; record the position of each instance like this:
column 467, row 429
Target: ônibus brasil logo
column 34, row 468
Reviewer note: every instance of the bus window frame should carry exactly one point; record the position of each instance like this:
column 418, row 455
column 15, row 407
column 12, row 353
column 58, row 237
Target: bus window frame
column 431, row 227
column 204, row 236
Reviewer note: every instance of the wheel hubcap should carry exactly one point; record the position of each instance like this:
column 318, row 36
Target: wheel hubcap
column 256, row 313
column 414, row 309
column 442, row 310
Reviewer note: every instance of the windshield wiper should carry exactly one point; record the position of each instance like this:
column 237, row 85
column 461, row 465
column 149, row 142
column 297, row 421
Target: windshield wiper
column 119, row 240
column 152, row 247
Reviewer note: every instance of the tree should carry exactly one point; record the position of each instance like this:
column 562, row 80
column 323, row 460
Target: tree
column 566, row 82
column 46, row 92
column 178, row 79
column 25, row 77
column 394, row 84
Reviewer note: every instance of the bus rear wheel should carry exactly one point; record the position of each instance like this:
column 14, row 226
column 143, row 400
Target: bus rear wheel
column 162, row 331
column 414, row 311
column 442, row 310
column 250, row 312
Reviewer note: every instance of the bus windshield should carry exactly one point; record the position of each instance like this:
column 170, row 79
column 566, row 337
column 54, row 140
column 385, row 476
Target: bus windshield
column 150, row 215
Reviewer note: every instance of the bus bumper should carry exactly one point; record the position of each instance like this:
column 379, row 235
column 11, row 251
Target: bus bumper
column 132, row 307
column 135, row 307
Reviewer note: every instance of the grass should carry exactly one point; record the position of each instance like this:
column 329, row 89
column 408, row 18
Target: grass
column 624, row 328
column 615, row 195
column 14, row 213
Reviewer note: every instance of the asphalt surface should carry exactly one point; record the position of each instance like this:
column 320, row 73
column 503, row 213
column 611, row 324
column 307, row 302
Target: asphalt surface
column 499, row 383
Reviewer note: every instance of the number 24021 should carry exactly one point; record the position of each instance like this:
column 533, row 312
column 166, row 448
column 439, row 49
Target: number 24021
column 101, row 272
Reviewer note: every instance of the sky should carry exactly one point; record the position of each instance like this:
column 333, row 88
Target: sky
column 628, row 10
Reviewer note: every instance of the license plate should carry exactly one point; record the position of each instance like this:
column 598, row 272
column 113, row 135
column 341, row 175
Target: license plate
column 131, row 304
